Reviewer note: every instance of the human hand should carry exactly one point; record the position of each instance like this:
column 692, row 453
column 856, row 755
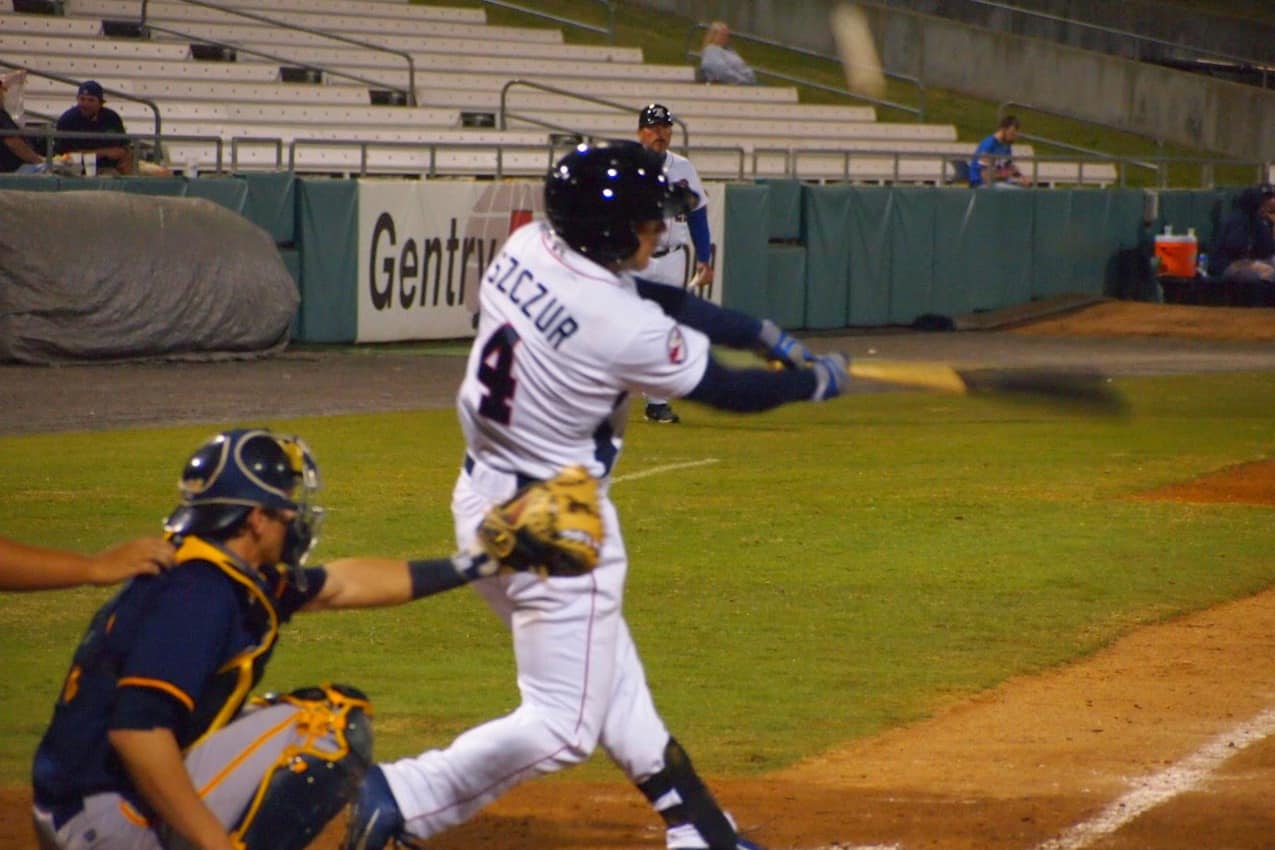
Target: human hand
column 703, row 276
column 143, row 556
column 778, row 346
column 831, row 376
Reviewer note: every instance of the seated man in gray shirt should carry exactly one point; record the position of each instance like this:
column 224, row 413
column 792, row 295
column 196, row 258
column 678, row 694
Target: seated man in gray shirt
column 720, row 63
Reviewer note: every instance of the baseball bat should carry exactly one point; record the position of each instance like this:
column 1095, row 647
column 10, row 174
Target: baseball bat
column 1081, row 391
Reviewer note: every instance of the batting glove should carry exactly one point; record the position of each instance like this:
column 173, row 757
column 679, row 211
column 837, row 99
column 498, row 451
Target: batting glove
column 778, row 346
column 831, row 377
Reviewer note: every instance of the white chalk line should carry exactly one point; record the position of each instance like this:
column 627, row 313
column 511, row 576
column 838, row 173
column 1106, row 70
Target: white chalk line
column 1179, row 778
column 668, row 467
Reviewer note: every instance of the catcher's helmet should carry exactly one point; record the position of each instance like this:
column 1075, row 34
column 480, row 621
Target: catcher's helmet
column 596, row 193
column 238, row 470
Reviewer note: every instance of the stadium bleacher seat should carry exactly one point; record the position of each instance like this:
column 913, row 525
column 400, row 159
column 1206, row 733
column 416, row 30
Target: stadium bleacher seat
column 216, row 75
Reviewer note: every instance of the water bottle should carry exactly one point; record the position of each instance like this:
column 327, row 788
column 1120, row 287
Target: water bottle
column 1202, row 268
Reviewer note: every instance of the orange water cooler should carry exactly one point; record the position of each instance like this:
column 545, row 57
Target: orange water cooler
column 1177, row 253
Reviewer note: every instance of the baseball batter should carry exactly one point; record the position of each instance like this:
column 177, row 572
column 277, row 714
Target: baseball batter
column 566, row 338
column 682, row 234
column 150, row 745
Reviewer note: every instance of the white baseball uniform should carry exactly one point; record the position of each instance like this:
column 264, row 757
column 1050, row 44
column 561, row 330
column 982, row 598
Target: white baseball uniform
column 562, row 345
column 674, row 258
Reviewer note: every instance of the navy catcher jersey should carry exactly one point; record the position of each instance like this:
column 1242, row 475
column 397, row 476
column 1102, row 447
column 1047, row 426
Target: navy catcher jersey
column 180, row 650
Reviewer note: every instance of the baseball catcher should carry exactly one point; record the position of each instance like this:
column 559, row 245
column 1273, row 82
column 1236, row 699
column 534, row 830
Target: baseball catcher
column 156, row 705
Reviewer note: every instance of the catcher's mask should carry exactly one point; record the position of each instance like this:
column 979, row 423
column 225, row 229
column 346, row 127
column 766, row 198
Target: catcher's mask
column 238, row 470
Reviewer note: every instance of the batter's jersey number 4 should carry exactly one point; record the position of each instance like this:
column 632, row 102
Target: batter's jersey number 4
column 495, row 372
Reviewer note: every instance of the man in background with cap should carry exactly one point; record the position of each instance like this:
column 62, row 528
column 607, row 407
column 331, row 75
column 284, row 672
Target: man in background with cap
column 90, row 116
column 672, row 258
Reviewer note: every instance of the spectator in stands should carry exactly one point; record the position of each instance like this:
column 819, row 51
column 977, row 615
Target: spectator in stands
column 16, row 154
column 90, row 116
column 996, row 153
column 1244, row 246
column 719, row 63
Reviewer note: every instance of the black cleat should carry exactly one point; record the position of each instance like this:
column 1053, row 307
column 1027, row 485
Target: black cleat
column 661, row 413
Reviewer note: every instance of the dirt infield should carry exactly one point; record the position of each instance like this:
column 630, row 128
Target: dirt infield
column 1159, row 741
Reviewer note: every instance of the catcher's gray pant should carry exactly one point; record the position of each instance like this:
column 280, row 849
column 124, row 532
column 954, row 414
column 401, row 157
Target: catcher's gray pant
column 245, row 750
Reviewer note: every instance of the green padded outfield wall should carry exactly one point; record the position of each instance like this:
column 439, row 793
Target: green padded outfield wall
column 327, row 231
column 746, row 239
column 876, row 255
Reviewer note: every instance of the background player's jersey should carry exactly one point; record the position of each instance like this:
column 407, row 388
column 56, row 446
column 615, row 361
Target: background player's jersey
column 561, row 344
column 679, row 171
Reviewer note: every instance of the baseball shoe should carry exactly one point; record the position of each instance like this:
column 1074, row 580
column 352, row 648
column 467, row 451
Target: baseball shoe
column 662, row 413
column 375, row 821
column 687, row 837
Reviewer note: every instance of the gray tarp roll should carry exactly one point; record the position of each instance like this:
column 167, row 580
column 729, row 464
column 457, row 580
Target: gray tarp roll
column 99, row 275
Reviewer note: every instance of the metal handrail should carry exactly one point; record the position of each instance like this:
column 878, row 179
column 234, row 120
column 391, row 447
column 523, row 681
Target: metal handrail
column 410, row 98
column 309, row 66
column 505, row 114
column 1132, row 36
column 432, row 147
column 918, row 111
column 74, row 83
column 131, row 140
column 237, row 141
column 608, row 30
column 792, row 160
column 1161, row 174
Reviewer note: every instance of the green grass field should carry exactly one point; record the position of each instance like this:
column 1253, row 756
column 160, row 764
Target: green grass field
column 826, row 572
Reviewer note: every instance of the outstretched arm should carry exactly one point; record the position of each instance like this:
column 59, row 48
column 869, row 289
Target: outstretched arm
column 378, row 582
column 758, row 390
column 24, row 567
column 724, row 326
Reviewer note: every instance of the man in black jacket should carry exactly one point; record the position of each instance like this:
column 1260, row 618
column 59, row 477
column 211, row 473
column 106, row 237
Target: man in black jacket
column 1244, row 249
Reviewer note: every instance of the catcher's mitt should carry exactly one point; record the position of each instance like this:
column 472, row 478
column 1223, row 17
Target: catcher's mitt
column 552, row 527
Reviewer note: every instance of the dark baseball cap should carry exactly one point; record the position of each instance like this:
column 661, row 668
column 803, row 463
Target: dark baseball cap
column 92, row 88
column 654, row 115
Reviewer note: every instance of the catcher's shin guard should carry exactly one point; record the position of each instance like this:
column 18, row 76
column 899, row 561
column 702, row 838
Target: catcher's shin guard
column 316, row 776
column 682, row 799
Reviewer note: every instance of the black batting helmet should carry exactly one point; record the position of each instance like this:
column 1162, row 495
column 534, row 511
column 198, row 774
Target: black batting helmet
column 598, row 192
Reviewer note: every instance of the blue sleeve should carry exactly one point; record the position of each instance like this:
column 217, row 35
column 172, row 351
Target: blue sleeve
column 752, row 390
column 177, row 648
column 722, row 327
column 703, row 240
column 290, row 598
column 976, row 163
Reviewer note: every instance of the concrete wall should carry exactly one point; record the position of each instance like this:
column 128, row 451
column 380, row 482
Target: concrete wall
column 1180, row 107
column 1244, row 38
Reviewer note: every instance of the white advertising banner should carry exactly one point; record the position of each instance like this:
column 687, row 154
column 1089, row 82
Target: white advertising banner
column 424, row 245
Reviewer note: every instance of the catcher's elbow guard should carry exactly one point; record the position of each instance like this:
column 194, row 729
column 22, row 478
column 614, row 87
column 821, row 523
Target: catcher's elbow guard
column 316, row 776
